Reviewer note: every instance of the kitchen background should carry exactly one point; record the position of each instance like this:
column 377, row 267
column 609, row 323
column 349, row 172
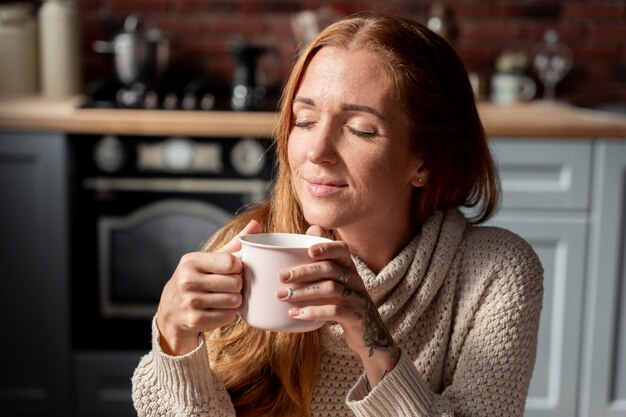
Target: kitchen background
column 202, row 32
column 203, row 29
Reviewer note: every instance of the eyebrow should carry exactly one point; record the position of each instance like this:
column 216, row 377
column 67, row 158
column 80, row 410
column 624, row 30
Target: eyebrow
column 344, row 107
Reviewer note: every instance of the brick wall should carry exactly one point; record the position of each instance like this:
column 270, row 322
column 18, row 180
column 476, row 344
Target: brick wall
column 201, row 32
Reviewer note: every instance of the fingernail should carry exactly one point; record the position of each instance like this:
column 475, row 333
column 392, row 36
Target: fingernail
column 314, row 251
column 295, row 312
column 282, row 293
column 284, row 275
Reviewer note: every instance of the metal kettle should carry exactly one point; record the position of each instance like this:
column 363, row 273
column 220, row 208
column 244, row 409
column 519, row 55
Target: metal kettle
column 247, row 94
column 138, row 56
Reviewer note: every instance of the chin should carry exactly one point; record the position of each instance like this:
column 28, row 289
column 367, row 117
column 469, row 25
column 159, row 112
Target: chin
column 327, row 219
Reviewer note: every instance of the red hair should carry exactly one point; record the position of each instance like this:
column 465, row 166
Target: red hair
column 269, row 374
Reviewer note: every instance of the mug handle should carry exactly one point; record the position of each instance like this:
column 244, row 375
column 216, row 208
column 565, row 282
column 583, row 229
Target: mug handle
column 528, row 89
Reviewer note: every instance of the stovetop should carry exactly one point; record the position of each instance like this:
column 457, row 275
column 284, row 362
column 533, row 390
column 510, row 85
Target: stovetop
column 172, row 94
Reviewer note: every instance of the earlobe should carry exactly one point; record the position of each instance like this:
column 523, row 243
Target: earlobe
column 420, row 178
column 418, row 181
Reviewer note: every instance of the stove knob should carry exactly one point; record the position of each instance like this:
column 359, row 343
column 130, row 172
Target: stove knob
column 151, row 100
column 170, row 102
column 190, row 102
column 132, row 96
column 207, row 102
column 248, row 157
column 109, row 155
column 127, row 98
column 178, row 154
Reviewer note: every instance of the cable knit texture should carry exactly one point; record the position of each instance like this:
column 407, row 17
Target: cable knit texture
column 461, row 301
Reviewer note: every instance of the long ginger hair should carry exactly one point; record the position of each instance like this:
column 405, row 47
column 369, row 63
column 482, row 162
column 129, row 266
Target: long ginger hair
column 274, row 374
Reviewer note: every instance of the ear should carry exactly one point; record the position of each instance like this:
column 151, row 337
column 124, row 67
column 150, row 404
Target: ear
column 420, row 175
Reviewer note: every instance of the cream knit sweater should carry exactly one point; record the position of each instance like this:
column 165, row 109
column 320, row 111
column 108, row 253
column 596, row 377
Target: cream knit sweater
column 462, row 302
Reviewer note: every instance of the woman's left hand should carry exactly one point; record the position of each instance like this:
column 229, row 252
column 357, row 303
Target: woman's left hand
column 330, row 289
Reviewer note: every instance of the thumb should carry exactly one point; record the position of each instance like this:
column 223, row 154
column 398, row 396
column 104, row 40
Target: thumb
column 315, row 231
column 234, row 245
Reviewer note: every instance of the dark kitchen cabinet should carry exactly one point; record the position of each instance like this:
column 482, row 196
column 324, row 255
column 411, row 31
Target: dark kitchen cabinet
column 34, row 359
column 103, row 381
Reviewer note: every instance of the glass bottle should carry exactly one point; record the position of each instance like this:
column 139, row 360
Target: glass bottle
column 552, row 61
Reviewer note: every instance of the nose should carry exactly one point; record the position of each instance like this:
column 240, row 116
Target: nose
column 322, row 147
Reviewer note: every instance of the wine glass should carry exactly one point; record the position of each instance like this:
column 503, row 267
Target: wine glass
column 552, row 62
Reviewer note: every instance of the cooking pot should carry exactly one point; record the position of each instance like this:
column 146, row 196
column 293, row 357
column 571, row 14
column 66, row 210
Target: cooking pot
column 138, row 56
column 247, row 94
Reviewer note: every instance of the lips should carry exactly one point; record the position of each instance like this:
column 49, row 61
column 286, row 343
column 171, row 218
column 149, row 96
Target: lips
column 323, row 187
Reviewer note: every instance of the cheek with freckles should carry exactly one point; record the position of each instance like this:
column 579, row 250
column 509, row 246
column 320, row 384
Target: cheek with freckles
column 296, row 156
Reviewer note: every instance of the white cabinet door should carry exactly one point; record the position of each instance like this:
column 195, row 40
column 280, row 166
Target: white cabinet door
column 603, row 387
column 544, row 174
column 546, row 191
column 560, row 243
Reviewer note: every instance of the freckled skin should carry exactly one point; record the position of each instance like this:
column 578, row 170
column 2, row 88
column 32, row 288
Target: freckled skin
column 368, row 154
column 353, row 171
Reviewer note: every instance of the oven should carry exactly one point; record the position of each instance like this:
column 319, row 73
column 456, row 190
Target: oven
column 137, row 205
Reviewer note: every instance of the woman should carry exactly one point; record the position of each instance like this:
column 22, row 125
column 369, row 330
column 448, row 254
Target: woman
column 379, row 142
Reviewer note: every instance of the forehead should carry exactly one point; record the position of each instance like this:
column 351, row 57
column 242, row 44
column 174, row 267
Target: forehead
column 349, row 75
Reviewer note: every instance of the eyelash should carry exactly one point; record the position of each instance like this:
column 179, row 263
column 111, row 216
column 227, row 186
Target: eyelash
column 359, row 133
column 362, row 134
column 303, row 125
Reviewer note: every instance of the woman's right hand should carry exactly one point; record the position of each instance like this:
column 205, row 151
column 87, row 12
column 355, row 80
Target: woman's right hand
column 203, row 294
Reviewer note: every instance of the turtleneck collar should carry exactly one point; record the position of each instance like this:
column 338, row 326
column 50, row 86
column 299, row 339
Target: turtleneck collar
column 437, row 242
column 411, row 280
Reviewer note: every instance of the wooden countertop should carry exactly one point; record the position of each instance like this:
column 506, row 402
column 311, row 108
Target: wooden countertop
column 64, row 116
column 525, row 120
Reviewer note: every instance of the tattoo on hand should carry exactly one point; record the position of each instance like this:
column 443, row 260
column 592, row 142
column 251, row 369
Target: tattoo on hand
column 375, row 334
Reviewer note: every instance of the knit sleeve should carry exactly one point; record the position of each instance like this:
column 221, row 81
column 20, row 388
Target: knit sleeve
column 497, row 355
column 168, row 386
column 493, row 366
column 401, row 393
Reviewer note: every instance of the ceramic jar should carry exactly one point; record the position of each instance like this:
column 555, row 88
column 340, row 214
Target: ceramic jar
column 59, row 45
column 18, row 50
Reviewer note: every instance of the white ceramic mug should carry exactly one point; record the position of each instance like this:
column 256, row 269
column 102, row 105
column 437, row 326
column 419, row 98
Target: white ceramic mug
column 510, row 88
column 263, row 256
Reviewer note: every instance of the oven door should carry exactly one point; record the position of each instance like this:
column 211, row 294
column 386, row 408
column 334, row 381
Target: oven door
column 130, row 227
column 139, row 252
column 139, row 247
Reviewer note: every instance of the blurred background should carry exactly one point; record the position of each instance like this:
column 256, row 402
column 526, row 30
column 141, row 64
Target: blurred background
column 201, row 34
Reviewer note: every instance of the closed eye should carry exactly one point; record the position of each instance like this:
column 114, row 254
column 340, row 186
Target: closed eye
column 362, row 133
column 304, row 124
